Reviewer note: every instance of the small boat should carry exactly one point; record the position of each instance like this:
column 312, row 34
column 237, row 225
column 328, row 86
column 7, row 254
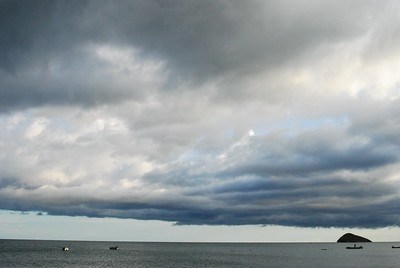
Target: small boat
column 114, row 247
column 355, row 247
column 395, row 246
column 65, row 249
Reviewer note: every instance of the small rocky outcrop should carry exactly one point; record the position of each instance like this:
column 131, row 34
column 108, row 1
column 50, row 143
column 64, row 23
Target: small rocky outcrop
column 352, row 238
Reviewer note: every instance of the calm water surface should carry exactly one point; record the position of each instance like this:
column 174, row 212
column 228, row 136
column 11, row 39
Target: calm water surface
column 39, row 253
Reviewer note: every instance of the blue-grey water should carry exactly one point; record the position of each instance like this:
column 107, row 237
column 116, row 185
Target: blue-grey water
column 39, row 253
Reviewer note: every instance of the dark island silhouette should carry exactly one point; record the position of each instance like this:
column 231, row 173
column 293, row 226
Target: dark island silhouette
column 352, row 238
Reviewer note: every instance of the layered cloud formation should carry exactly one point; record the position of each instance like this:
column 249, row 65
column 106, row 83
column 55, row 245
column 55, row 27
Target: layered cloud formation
column 202, row 112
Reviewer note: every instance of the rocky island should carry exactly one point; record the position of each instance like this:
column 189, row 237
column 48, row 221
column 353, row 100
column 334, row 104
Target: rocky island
column 352, row 238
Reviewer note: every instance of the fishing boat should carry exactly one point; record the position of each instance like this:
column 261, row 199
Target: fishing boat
column 355, row 247
column 65, row 249
column 114, row 247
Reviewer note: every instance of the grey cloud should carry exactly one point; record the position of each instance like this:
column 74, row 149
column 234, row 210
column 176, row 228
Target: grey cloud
column 311, row 171
column 209, row 38
column 46, row 59
column 381, row 123
column 154, row 126
column 196, row 40
column 35, row 32
column 319, row 150
column 264, row 211
column 321, row 160
column 323, row 194
column 338, row 174
column 309, row 205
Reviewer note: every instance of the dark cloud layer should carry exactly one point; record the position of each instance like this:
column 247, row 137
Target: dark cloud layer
column 197, row 41
column 202, row 112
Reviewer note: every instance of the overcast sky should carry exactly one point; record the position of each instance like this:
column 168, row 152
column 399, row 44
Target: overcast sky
column 202, row 113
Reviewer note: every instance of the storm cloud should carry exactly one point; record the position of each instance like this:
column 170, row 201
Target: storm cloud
column 202, row 112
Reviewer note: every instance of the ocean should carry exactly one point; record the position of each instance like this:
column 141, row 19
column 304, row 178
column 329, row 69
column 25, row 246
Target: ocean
column 43, row 253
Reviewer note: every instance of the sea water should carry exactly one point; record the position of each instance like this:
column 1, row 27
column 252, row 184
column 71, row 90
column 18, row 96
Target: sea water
column 39, row 253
